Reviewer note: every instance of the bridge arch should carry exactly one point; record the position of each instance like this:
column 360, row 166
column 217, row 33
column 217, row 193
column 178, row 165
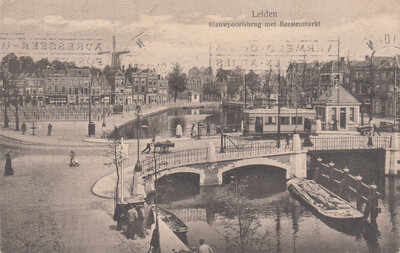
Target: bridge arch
column 253, row 161
column 184, row 169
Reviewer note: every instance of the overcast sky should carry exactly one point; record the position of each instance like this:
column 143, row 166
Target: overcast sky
column 178, row 31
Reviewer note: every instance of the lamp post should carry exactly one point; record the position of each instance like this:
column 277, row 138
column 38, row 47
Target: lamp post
column 138, row 166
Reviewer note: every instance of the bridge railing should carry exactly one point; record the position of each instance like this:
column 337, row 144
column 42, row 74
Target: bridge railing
column 174, row 159
column 254, row 149
column 349, row 143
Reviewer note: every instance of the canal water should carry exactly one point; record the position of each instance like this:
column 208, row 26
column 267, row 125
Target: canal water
column 164, row 124
column 277, row 222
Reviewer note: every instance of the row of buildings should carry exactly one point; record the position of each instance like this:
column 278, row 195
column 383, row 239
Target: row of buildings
column 74, row 85
column 373, row 81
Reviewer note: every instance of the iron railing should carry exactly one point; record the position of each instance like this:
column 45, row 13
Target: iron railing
column 174, row 159
column 349, row 143
column 254, row 148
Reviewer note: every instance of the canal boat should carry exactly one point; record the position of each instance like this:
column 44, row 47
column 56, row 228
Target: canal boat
column 175, row 224
column 322, row 201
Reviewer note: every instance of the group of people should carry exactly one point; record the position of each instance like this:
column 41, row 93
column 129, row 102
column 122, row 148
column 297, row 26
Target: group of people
column 133, row 215
column 49, row 128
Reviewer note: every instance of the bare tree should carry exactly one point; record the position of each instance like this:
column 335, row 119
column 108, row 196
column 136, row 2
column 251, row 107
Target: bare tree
column 242, row 232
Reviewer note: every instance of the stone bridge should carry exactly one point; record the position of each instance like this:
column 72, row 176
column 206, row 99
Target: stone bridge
column 211, row 163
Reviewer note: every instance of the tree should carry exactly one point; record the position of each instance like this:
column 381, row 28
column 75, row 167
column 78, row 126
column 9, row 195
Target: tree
column 241, row 231
column 252, row 82
column 11, row 67
column 210, row 90
column 12, row 63
column 176, row 81
column 27, row 64
column 41, row 65
column 235, row 82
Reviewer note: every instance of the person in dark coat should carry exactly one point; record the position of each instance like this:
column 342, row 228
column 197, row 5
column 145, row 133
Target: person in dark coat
column 23, row 127
column 370, row 143
column 140, row 221
column 49, row 127
column 287, row 141
column 208, row 129
column 8, row 171
column 119, row 215
column 132, row 223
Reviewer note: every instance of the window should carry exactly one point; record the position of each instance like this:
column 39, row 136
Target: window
column 63, row 89
column 285, row 120
column 56, row 88
column 299, row 121
column 270, row 121
column 333, row 113
column 352, row 114
column 136, row 88
column 143, row 89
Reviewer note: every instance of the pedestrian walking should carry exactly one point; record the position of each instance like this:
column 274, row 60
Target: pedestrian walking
column 132, row 223
column 376, row 130
column 178, row 132
column 23, row 127
column 147, row 149
column 140, row 221
column 49, row 128
column 204, row 248
column 287, row 141
column 8, row 170
column 370, row 143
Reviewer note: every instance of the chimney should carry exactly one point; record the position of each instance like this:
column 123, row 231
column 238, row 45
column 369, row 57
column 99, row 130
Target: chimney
column 366, row 58
column 341, row 60
column 130, row 66
column 123, row 68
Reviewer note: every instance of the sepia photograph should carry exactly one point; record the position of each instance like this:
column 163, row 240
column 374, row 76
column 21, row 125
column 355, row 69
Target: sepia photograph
column 230, row 126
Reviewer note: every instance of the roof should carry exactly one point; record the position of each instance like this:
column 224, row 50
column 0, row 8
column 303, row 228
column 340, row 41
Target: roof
column 376, row 61
column 283, row 110
column 330, row 97
column 332, row 67
column 78, row 72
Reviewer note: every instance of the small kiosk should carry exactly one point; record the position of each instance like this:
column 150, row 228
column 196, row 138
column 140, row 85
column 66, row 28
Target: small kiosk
column 338, row 109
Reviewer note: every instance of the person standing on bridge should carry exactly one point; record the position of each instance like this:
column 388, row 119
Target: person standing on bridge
column 370, row 143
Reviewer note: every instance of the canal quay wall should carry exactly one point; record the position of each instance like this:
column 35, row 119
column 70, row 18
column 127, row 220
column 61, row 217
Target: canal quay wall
column 124, row 125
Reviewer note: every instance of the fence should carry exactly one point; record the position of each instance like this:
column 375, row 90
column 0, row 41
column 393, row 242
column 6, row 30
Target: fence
column 174, row 159
column 348, row 187
column 349, row 143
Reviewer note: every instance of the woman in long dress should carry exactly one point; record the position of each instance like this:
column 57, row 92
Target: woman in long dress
column 8, row 171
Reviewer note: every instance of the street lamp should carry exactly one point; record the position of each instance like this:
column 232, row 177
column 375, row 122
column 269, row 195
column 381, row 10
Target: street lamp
column 138, row 166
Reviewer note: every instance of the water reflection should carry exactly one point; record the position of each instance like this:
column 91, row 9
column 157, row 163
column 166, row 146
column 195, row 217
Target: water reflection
column 164, row 124
column 286, row 225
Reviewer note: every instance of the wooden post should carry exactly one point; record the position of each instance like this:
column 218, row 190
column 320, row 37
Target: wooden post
column 222, row 142
column 331, row 168
column 373, row 203
column 345, row 184
column 358, row 192
column 317, row 174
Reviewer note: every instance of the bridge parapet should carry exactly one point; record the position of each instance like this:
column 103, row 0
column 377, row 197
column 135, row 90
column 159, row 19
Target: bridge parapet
column 349, row 143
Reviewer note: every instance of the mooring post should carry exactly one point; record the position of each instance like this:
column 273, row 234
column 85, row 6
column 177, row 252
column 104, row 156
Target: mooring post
column 331, row 168
column 358, row 192
column 373, row 203
column 317, row 174
column 345, row 184
column 317, row 170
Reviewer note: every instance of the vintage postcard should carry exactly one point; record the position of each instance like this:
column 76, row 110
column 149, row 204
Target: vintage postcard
column 199, row 126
